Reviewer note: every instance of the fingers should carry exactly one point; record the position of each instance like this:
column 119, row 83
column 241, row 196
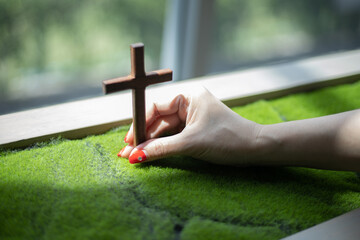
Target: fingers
column 202, row 125
column 162, row 117
column 168, row 124
column 125, row 152
column 158, row 148
column 155, row 149
column 167, row 117
column 167, row 108
column 129, row 135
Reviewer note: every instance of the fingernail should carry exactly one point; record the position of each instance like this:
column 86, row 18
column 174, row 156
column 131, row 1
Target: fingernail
column 137, row 157
column 119, row 154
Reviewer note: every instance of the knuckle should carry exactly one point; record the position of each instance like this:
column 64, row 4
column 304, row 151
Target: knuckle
column 155, row 110
column 181, row 97
column 183, row 104
column 159, row 149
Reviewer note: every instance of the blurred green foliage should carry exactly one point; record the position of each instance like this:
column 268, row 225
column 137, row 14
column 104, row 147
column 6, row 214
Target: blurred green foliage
column 74, row 37
column 50, row 45
column 254, row 31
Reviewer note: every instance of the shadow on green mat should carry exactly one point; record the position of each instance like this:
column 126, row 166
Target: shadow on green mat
column 153, row 206
column 270, row 175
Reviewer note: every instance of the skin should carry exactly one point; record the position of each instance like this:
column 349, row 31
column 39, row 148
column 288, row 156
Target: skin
column 202, row 127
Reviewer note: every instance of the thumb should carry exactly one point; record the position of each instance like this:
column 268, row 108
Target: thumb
column 158, row 148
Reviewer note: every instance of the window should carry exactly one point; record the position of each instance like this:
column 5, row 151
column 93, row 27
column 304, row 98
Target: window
column 54, row 51
column 210, row 36
column 248, row 33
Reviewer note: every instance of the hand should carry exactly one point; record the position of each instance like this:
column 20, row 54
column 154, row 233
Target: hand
column 200, row 126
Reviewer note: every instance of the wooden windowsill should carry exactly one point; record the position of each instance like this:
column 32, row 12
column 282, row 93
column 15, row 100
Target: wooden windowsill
column 98, row 115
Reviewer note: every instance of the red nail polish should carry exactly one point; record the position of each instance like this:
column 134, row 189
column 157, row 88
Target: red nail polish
column 126, row 136
column 137, row 157
column 119, row 154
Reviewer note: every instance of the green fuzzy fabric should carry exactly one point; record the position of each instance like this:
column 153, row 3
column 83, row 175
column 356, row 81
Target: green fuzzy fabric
column 80, row 189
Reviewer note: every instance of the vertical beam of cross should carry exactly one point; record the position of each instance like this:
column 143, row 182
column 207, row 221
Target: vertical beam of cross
column 137, row 81
column 138, row 94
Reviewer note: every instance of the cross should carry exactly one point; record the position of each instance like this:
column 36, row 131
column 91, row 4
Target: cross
column 137, row 81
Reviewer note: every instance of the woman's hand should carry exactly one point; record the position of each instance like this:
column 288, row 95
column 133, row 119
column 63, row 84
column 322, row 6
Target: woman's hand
column 202, row 127
column 199, row 126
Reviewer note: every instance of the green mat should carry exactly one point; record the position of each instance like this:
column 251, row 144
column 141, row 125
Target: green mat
column 80, row 189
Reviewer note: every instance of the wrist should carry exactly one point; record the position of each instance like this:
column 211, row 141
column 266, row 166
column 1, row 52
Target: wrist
column 267, row 146
column 274, row 146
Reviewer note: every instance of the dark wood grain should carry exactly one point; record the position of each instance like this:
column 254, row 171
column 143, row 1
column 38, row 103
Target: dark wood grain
column 137, row 60
column 138, row 100
column 138, row 80
column 130, row 82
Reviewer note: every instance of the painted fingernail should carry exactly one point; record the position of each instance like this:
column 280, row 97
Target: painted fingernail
column 137, row 157
column 119, row 154
column 126, row 136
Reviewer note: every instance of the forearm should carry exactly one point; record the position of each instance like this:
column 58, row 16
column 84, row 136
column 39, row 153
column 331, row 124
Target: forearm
column 330, row 142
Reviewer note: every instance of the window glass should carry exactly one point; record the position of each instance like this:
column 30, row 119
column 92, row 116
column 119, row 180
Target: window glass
column 53, row 51
column 254, row 32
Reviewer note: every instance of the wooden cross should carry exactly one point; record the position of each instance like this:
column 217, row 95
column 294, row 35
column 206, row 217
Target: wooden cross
column 137, row 81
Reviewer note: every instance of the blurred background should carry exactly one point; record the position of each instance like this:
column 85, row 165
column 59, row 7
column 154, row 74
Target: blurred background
column 57, row 51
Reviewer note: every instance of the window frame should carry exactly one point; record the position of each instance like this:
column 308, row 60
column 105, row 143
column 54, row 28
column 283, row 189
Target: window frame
column 97, row 115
